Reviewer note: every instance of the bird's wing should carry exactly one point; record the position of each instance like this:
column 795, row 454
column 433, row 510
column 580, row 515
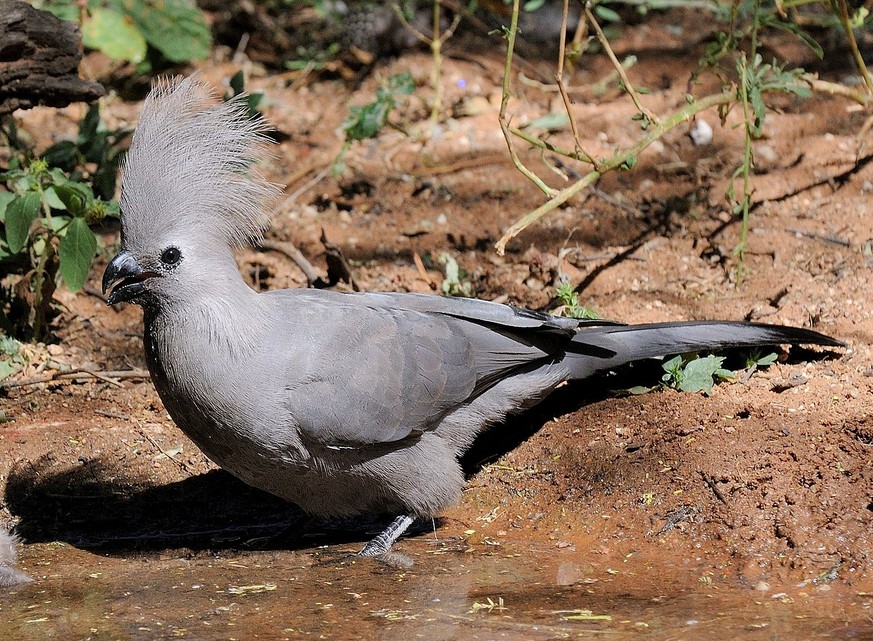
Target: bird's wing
column 480, row 311
column 363, row 370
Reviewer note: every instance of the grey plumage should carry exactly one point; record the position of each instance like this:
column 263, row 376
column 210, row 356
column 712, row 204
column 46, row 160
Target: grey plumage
column 9, row 574
column 341, row 403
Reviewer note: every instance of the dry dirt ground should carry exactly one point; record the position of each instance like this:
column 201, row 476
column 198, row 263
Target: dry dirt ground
column 767, row 480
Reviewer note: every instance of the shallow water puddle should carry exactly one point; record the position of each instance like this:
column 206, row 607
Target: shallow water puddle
column 513, row 593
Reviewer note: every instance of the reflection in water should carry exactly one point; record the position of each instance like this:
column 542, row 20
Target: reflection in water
column 451, row 592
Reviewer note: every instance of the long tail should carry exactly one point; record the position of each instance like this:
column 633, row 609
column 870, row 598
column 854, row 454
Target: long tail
column 601, row 348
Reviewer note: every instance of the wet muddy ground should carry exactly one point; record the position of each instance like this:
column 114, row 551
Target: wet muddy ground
column 452, row 592
column 745, row 514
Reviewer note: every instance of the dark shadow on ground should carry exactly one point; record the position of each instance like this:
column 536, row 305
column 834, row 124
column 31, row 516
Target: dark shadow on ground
column 94, row 506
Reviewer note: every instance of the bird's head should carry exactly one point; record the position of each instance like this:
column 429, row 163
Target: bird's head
column 190, row 192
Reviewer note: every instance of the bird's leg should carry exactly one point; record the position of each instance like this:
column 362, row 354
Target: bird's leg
column 382, row 542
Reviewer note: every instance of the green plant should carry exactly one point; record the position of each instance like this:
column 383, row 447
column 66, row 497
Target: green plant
column 10, row 357
column 129, row 29
column 366, row 121
column 565, row 293
column 237, row 87
column 694, row 374
column 455, row 283
column 46, row 213
column 758, row 359
column 733, row 57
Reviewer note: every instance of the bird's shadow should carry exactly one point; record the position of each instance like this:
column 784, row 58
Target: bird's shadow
column 95, row 505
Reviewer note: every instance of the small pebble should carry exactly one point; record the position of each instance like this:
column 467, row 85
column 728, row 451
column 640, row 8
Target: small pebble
column 701, row 133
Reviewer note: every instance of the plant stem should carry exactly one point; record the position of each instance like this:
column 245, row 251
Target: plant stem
column 559, row 78
column 504, row 102
column 618, row 160
column 842, row 11
column 39, row 303
column 601, row 37
column 746, row 167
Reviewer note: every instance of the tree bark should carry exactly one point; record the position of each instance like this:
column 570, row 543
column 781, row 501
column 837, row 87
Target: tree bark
column 39, row 60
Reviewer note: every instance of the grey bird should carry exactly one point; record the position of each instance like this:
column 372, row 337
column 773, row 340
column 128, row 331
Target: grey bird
column 342, row 403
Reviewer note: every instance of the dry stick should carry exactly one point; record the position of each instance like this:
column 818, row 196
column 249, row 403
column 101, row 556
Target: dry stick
column 825, row 238
column 181, row 464
column 79, row 373
column 836, row 89
column 712, row 486
column 293, row 196
column 461, row 164
column 616, row 161
column 294, row 254
column 601, row 37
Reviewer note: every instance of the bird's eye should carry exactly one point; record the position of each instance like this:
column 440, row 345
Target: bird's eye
column 171, row 256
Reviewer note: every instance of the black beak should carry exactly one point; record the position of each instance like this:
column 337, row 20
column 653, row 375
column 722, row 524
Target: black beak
column 125, row 278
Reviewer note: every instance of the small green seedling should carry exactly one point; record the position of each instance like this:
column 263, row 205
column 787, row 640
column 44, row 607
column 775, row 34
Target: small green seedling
column 695, row 374
column 455, row 283
column 46, row 214
column 570, row 302
column 366, row 121
column 237, row 87
column 10, row 358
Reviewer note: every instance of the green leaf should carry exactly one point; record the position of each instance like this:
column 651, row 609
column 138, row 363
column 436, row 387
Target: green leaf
column 401, row 84
column 769, row 359
column 114, row 34
column 552, row 121
column 176, row 28
column 76, row 197
column 90, row 123
column 367, row 120
column 63, row 9
column 638, row 390
column 673, row 369
column 76, row 250
column 790, row 27
column 606, row 14
column 700, row 374
column 6, row 197
column 61, row 154
column 20, row 214
column 51, row 198
column 237, row 83
column 8, row 368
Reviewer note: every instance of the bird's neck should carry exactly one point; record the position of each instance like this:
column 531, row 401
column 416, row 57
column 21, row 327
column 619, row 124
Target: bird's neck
column 219, row 316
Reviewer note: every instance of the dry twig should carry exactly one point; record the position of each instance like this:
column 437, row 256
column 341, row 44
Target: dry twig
column 78, row 374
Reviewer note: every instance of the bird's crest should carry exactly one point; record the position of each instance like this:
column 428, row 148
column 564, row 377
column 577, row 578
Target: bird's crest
column 190, row 167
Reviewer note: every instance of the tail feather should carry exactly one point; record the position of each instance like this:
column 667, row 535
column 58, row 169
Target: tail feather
column 596, row 349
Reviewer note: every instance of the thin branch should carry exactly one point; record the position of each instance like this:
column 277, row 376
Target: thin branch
column 601, row 37
column 78, row 374
column 289, row 250
column 842, row 11
column 180, row 463
column 836, row 89
column 559, row 78
column 504, row 102
column 625, row 158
